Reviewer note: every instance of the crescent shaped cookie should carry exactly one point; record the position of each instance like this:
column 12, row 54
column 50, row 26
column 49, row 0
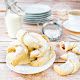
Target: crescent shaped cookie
column 67, row 45
column 17, row 55
column 71, row 66
column 64, row 69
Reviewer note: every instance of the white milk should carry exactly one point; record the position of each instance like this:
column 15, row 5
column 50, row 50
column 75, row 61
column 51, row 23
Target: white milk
column 13, row 24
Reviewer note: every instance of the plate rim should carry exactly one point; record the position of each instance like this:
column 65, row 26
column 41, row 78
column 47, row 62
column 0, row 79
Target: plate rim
column 39, row 14
column 66, row 27
column 50, row 62
column 48, row 9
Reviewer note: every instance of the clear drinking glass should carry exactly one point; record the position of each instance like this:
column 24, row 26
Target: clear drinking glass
column 13, row 18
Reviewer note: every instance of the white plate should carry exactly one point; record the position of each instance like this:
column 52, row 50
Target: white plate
column 38, row 15
column 37, row 9
column 35, row 18
column 27, row 17
column 35, row 21
column 26, row 69
column 75, row 27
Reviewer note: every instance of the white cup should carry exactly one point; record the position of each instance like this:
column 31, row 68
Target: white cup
column 74, row 16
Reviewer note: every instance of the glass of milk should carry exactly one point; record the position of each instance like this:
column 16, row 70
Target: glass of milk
column 13, row 23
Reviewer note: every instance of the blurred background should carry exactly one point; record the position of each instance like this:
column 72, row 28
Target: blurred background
column 73, row 4
column 54, row 4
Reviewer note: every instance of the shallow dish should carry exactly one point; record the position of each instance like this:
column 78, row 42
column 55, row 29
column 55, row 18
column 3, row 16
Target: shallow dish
column 75, row 27
column 26, row 69
column 37, row 9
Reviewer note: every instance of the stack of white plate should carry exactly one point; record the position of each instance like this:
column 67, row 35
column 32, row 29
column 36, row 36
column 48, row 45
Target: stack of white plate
column 37, row 13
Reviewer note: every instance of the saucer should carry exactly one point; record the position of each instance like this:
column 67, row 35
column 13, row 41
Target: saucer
column 72, row 26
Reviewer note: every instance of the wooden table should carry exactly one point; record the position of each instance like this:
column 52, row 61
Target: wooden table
column 49, row 74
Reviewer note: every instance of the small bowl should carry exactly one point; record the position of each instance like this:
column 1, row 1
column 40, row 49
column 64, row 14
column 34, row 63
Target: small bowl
column 52, row 30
